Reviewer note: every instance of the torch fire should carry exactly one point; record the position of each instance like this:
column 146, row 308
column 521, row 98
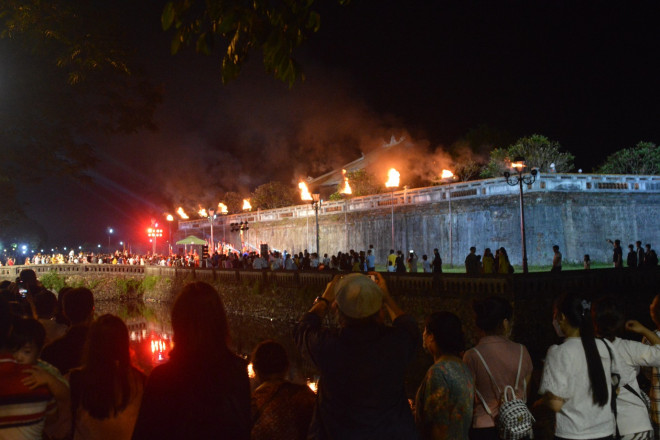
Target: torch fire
column 202, row 212
column 304, row 192
column 446, row 174
column 182, row 213
column 246, row 205
column 169, row 218
column 347, row 187
column 222, row 208
column 392, row 178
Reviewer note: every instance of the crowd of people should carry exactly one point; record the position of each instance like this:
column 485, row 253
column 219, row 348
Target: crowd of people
column 64, row 374
column 352, row 261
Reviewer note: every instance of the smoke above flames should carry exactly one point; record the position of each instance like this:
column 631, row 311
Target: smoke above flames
column 252, row 132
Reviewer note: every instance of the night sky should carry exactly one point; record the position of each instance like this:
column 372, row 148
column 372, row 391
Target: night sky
column 581, row 73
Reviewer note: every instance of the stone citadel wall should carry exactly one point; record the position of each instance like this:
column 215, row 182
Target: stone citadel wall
column 577, row 212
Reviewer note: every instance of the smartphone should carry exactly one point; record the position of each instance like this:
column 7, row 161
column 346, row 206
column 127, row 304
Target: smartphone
column 22, row 291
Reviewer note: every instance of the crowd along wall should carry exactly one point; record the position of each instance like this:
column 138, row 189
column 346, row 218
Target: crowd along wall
column 578, row 212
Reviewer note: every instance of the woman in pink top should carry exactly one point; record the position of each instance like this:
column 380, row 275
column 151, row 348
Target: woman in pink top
column 507, row 361
column 106, row 391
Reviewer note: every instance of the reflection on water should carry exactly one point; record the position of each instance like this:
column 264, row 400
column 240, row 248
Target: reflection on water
column 150, row 332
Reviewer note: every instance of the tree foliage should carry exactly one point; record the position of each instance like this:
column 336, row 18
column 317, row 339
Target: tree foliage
column 468, row 170
column 272, row 195
column 234, row 202
column 238, row 28
column 362, row 182
column 539, row 152
column 643, row 158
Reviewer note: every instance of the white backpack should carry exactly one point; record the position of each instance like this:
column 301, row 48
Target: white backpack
column 514, row 420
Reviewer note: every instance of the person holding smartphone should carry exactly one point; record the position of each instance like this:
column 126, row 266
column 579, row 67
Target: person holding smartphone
column 362, row 363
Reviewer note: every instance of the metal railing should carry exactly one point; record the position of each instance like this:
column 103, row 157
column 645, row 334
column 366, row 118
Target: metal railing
column 590, row 183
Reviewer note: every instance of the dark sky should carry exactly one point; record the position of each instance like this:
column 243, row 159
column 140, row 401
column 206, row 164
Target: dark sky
column 582, row 73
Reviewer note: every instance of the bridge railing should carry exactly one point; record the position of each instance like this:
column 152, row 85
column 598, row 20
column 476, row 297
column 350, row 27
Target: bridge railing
column 12, row 272
column 443, row 193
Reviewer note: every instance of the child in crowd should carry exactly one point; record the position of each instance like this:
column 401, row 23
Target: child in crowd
column 27, row 339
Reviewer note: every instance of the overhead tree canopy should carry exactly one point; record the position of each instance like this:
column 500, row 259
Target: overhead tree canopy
column 539, row 152
column 643, row 158
column 237, row 28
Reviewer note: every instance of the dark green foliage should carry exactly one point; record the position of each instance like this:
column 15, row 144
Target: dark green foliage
column 643, row 158
column 272, row 195
column 538, row 151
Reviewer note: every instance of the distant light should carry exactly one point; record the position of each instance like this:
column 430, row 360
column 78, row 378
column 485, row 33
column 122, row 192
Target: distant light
column 110, row 231
column 64, row 247
column 121, row 243
column 99, row 245
column 79, row 247
column 52, row 250
column 24, row 247
column 42, row 250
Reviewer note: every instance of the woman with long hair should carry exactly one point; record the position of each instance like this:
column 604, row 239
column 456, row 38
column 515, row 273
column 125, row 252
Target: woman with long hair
column 204, row 390
column 632, row 415
column 496, row 362
column 576, row 382
column 107, row 390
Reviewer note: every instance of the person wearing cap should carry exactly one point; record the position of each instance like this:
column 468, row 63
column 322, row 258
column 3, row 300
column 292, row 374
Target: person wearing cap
column 361, row 391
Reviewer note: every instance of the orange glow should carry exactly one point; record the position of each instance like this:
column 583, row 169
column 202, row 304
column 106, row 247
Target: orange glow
column 313, row 385
column 222, row 208
column 446, row 174
column 246, row 205
column 251, row 373
column 392, row 178
column 170, row 217
column 304, row 192
column 182, row 213
column 347, row 187
column 202, row 212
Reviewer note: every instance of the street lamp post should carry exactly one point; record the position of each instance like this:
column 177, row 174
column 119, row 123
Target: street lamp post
column 211, row 218
column 316, row 204
column 392, row 183
column 154, row 232
column 518, row 166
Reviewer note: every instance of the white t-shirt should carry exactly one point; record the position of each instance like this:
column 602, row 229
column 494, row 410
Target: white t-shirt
column 565, row 375
column 632, row 415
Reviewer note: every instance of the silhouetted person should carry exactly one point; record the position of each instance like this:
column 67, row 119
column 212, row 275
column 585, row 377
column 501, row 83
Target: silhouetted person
column 631, row 259
column 281, row 409
column 203, row 391
column 437, row 262
column 66, row 352
column 556, row 259
column 472, row 264
column 362, row 364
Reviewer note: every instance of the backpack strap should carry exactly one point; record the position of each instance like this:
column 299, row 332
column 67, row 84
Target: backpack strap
column 617, row 435
column 492, row 379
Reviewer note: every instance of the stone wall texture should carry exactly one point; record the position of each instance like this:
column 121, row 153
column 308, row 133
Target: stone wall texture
column 578, row 222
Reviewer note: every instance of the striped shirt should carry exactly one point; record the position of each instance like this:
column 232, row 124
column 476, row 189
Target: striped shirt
column 22, row 411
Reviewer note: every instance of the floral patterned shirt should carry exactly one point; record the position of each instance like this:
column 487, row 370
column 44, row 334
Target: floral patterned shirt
column 445, row 398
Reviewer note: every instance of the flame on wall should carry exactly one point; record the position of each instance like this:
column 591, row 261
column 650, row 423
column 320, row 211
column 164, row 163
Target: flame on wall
column 392, row 178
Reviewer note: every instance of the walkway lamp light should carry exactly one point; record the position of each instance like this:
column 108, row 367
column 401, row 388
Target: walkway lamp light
column 518, row 177
column 170, row 219
column 110, row 231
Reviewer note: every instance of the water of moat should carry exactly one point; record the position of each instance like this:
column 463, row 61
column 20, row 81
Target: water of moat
column 150, row 332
